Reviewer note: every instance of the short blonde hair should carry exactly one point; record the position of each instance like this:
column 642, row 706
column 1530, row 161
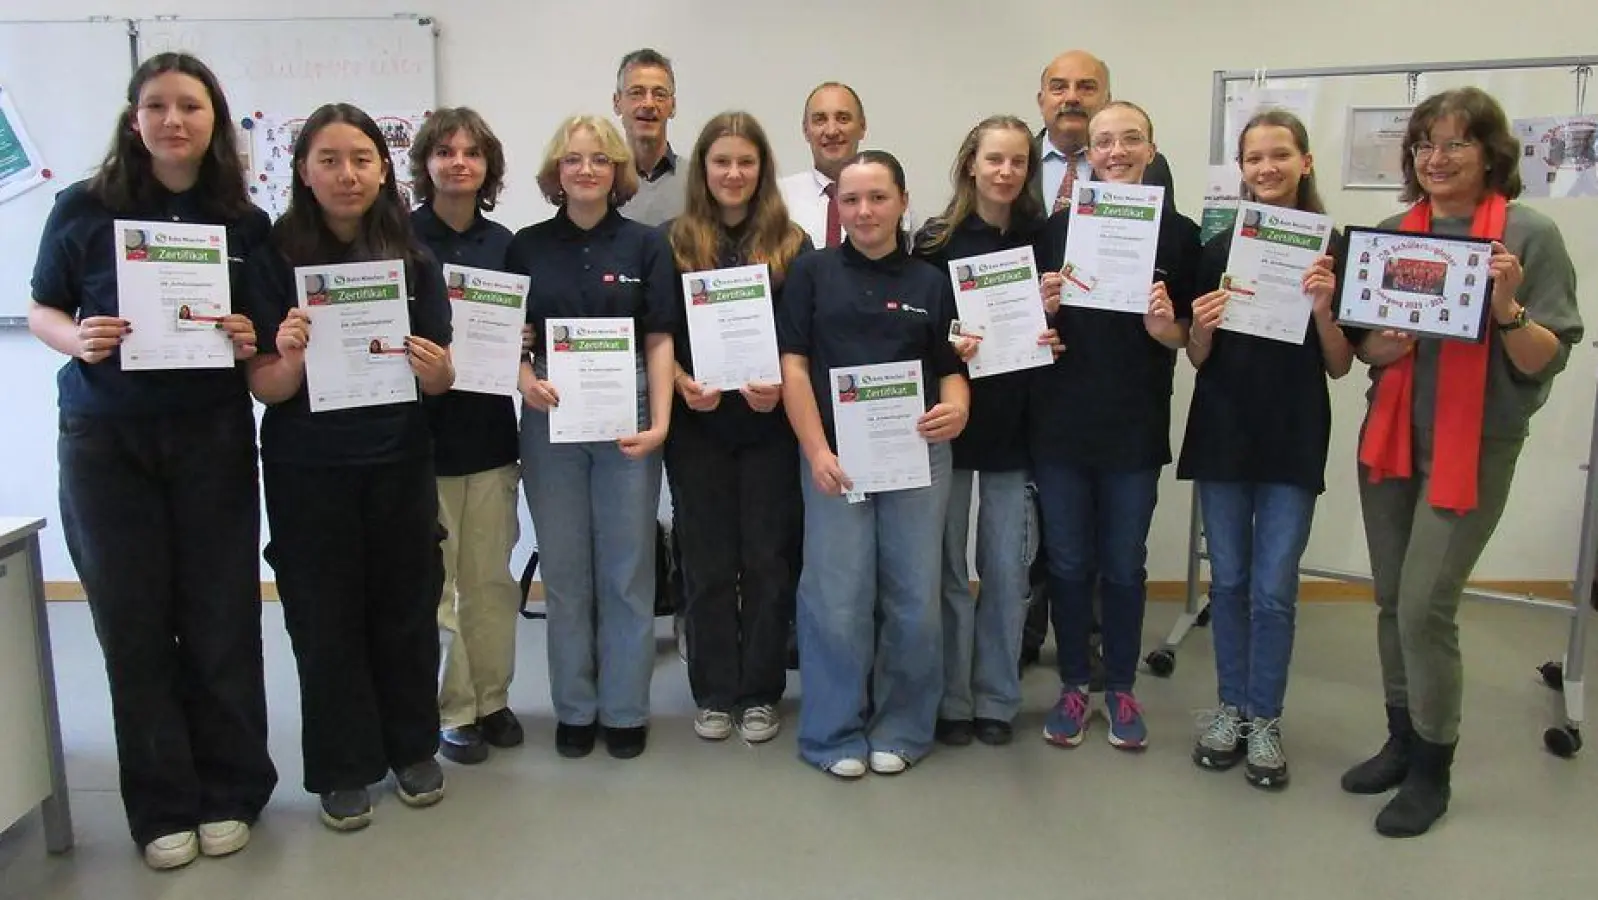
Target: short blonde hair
column 610, row 143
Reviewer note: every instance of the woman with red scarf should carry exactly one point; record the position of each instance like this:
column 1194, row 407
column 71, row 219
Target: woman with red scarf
column 1444, row 430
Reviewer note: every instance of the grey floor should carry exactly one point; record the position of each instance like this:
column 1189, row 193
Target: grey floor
column 691, row 819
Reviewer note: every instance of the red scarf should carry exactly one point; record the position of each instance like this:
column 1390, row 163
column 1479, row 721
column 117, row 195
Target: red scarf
column 1461, row 393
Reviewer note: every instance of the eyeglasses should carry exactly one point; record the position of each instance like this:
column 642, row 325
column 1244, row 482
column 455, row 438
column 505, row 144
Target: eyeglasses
column 1451, row 150
column 1105, row 142
column 573, row 162
column 640, row 93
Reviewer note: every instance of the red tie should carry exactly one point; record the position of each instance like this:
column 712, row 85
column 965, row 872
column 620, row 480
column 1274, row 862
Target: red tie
column 1062, row 197
column 834, row 227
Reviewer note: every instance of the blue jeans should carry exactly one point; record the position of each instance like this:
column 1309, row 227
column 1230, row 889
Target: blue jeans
column 1095, row 533
column 982, row 635
column 869, row 633
column 1255, row 535
column 593, row 510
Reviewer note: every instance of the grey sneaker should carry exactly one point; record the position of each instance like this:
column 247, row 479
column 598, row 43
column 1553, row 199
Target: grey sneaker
column 420, row 784
column 347, row 810
column 1267, row 764
column 759, row 724
column 713, row 725
column 1220, row 744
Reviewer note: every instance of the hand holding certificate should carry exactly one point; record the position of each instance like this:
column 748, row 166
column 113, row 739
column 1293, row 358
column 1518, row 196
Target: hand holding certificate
column 875, row 412
column 1416, row 283
column 593, row 365
column 1272, row 248
column 174, row 291
column 731, row 328
column 1110, row 246
column 1001, row 306
column 487, row 310
column 360, row 317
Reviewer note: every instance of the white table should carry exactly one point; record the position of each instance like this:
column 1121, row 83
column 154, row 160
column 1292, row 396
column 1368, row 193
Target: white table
column 32, row 771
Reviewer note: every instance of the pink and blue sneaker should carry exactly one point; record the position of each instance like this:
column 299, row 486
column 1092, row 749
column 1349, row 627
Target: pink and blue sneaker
column 1127, row 731
column 1068, row 720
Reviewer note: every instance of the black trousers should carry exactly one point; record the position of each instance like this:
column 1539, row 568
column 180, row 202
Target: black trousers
column 739, row 518
column 360, row 571
column 162, row 520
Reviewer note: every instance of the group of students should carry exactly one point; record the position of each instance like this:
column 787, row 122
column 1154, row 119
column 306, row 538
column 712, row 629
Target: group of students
column 391, row 523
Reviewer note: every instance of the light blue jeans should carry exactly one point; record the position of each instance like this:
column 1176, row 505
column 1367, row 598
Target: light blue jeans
column 869, row 631
column 593, row 510
column 982, row 634
column 1255, row 535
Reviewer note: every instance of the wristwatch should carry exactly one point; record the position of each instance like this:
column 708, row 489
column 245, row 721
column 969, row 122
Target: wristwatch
column 1518, row 322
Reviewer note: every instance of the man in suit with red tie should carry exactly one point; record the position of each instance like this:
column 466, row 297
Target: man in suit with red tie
column 1074, row 87
column 834, row 125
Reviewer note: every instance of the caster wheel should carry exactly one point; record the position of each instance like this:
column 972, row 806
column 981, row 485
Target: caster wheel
column 1161, row 662
column 1562, row 742
column 1203, row 619
column 1553, row 675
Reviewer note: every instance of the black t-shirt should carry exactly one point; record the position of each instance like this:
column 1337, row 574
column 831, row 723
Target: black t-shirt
column 76, row 272
column 1260, row 412
column 996, row 437
column 732, row 421
column 1106, row 401
column 842, row 309
column 290, row 432
column 471, row 432
column 617, row 269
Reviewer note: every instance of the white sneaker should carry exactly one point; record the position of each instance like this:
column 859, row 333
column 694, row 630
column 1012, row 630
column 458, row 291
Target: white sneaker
column 888, row 763
column 759, row 724
column 172, row 851
column 222, row 838
column 847, row 769
column 713, row 725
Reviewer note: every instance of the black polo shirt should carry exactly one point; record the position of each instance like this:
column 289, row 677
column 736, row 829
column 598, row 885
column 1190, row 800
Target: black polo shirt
column 617, row 269
column 732, row 421
column 1106, row 401
column 1261, row 411
column 995, row 440
column 842, row 309
column 471, row 432
column 290, row 432
column 76, row 273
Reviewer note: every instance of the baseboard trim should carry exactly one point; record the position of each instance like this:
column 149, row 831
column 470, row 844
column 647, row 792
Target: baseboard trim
column 1313, row 591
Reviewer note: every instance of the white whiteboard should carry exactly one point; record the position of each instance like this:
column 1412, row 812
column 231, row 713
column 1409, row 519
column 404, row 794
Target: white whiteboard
column 292, row 66
column 67, row 80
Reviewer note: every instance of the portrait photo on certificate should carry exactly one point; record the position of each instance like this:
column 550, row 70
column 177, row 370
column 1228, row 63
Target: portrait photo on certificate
column 1420, row 284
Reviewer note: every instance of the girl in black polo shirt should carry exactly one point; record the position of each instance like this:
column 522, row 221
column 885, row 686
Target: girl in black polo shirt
column 871, row 690
column 593, row 502
column 459, row 166
column 993, row 209
column 1256, row 446
column 158, row 477
column 350, row 495
column 1100, row 422
column 731, row 457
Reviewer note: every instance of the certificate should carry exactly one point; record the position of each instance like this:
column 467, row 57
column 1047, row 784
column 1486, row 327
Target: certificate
column 173, row 288
column 998, row 293
column 1222, row 193
column 1271, row 248
column 1109, row 250
column 21, row 168
column 487, row 310
column 874, row 413
column 731, row 329
column 1416, row 283
column 594, row 368
column 360, row 316
column 1374, row 152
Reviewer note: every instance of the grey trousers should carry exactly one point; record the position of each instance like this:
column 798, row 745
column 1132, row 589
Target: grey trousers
column 1421, row 558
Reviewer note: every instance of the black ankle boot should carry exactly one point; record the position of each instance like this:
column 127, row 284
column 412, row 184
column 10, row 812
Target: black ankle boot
column 1424, row 795
column 1387, row 769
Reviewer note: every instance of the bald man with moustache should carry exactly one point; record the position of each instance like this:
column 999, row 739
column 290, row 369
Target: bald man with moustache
column 1075, row 86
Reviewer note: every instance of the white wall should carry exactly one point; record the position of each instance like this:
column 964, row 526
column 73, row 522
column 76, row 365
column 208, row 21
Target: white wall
column 928, row 70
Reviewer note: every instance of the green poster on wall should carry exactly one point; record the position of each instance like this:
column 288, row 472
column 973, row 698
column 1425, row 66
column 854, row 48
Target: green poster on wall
column 20, row 167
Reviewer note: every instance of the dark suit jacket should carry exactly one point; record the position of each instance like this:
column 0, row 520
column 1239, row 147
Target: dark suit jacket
column 1158, row 172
